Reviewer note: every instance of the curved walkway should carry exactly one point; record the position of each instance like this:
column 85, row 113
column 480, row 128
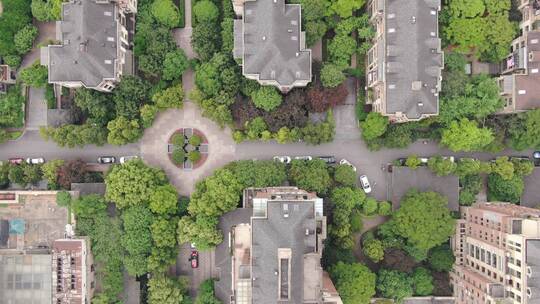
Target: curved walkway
column 221, row 147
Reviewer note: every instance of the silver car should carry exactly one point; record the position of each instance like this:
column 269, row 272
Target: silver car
column 365, row 184
column 303, row 157
column 35, row 161
column 283, row 159
column 346, row 162
column 106, row 160
column 125, row 159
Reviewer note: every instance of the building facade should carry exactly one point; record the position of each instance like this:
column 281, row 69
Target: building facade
column 96, row 41
column 520, row 70
column 404, row 65
column 497, row 249
column 272, row 250
column 270, row 45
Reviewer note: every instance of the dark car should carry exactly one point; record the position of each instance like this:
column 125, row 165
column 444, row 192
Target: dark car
column 16, row 161
column 106, row 160
column 194, row 259
column 330, row 160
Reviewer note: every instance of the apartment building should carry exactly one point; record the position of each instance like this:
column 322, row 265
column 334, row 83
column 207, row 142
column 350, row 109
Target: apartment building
column 404, row 65
column 520, row 70
column 270, row 45
column 497, row 249
column 95, row 44
column 272, row 250
column 72, row 275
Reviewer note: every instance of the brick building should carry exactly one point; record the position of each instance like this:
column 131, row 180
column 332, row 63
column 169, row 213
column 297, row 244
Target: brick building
column 497, row 249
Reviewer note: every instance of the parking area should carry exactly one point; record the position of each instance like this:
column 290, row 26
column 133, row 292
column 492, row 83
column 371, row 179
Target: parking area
column 205, row 270
column 35, row 221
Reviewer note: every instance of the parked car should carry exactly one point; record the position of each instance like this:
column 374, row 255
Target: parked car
column 346, row 162
column 423, row 161
column 451, row 158
column 194, row 259
column 35, row 161
column 402, row 161
column 303, row 157
column 106, row 160
column 283, row 159
column 536, row 158
column 365, row 184
column 16, row 161
column 330, row 160
column 124, row 159
column 520, row 158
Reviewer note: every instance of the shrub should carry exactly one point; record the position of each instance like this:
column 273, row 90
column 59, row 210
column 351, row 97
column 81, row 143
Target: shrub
column 385, row 208
column 166, row 13
column 356, row 221
column 195, row 140
column 370, row 206
column 267, row 98
column 178, row 156
column 205, row 11
column 24, row 39
column 63, row 198
column 374, row 250
column 178, row 140
column 331, row 75
column 194, row 156
column 413, row 162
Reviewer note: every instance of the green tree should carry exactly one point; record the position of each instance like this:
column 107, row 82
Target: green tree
column 374, row 250
column 34, row 75
column 394, row 284
column 165, row 290
column 11, row 108
column 523, row 167
column 24, row 39
column 194, row 156
column 175, row 64
column 89, row 206
column 422, row 282
column 63, row 199
column 345, row 200
column 505, row 190
column 413, row 161
column 152, row 43
column 310, row 175
column 164, row 232
column 171, row 97
column 465, row 135
column 354, row 282
column 97, row 105
column 166, row 13
column 331, row 75
column 205, row 11
column 206, row 293
column 370, row 206
column 132, row 183
column 201, row 231
column 216, row 194
column 137, row 238
column 374, row 126
column 441, row 258
column 148, row 114
column 424, row 219
column 267, row 98
column 385, row 208
column 32, row 174
column 178, row 157
column 468, row 166
column 526, row 133
column 345, row 8
column 259, row 174
column 442, row 166
column 16, row 175
column 503, row 167
column 164, row 200
column 341, row 48
column 46, row 10
column 123, row 131
column 195, row 140
column 4, row 176
column 130, row 95
column 345, row 175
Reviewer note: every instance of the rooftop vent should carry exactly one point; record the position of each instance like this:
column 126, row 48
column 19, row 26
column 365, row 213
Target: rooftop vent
column 263, row 38
column 420, row 104
column 294, row 22
column 433, row 12
column 294, row 38
column 413, row 19
column 534, row 41
column 110, row 39
column 289, row 31
column 391, row 16
column 416, row 85
column 391, row 30
column 107, row 13
column 522, row 92
column 107, row 61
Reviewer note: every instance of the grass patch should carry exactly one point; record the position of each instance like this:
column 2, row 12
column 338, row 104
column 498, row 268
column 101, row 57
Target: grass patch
column 15, row 134
column 49, row 96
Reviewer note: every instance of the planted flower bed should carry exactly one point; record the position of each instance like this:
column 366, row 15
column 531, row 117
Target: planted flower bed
column 187, row 148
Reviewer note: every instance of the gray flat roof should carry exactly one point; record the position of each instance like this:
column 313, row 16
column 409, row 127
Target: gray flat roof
column 272, row 42
column 26, row 278
column 403, row 179
column 531, row 195
column 413, row 61
column 272, row 233
column 89, row 43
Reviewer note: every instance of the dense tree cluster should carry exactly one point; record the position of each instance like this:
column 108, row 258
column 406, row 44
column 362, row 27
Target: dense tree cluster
column 15, row 21
column 354, row 282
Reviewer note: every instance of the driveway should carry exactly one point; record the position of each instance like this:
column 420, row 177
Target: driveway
column 36, row 110
column 345, row 115
column 47, row 31
column 205, row 270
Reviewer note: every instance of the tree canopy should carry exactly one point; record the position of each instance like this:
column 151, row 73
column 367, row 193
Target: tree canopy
column 354, row 282
column 465, row 135
column 310, row 175
column 374, row 126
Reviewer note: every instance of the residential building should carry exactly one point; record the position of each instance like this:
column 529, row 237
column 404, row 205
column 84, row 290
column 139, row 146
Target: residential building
column 72, row 275
column 96, row 41
column 497, row 249
column 405, row 63
column 520, row 75
column 270, row 45
column 272, row 250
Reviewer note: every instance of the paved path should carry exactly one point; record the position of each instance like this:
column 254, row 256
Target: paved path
column 182, row 36
column 154, row 145
column 36, row 111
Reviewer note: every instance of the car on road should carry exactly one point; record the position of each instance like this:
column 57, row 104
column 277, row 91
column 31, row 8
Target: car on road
column 306, row 157
column 329, row 160
column 423, row 161
column 283, row 159
column 35, row 161
column 106, row 160
column 346, row 162
column 16, row 161
column 124, row 159
column 451, row 158
column 194, row 259
column 536, row 158
column 364, row 182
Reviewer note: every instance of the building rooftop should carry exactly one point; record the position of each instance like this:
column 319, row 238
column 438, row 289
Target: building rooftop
column 403, row 179
column 414, row 59
column 271, row 44
column 88, row 33
column 527, row 91
column 25, row 279
column 531, row 195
